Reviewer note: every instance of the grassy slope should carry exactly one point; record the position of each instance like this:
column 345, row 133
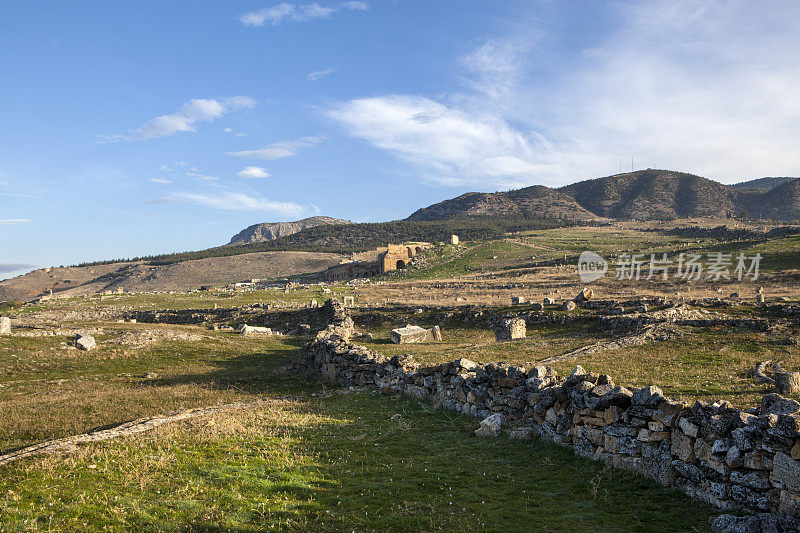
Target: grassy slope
column 337, row 463
column 330, row 463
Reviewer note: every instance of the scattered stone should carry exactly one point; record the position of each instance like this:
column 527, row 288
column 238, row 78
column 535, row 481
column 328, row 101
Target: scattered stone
column 510, row 329
column 569, row 306
column 518, row 300
column 246, row 331
column 490, row 426
column 85, row 342
column 760, row 298
column 585, row 295
column 537, row 307
column 150, row 375
column 5, row 325
column 548, row 301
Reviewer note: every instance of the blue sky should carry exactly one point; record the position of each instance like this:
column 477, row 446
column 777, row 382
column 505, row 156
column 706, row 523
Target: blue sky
column 142, row 127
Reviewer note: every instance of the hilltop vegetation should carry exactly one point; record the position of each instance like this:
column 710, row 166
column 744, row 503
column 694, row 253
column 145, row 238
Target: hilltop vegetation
column 349, row 238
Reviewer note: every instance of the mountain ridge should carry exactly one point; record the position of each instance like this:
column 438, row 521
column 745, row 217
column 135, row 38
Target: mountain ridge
column 269, row 231
column 650, row 194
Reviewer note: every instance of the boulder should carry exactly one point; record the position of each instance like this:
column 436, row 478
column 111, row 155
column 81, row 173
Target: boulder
column 5, row 325
column 518, row 300
column 85, row 342
column 775, row 404
column 490, row 426
column 548, row 301
column 569, row 306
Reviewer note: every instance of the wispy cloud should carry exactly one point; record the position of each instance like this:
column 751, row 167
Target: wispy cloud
column 235, row 201
column 297, row 12
column 12, row 221
column 192, row 112
column 704, row 87
column 278, row 150
column 199, row 176
column 253, row 172
column 317, row 74
column 448, row 144
column 163, row 181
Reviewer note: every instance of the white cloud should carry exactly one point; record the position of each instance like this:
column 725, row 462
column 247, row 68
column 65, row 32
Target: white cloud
column 278, row 150
column 704, row 87
column 12, row 221
column 449, row 145
column 253, row 172
column 163, row 181
column 202, row 176
column 228, row 130
column 317, row 74
column 236, row 201
column 192, row 112
column 296, row 12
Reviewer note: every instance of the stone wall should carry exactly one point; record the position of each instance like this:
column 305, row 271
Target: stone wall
column 728, row 457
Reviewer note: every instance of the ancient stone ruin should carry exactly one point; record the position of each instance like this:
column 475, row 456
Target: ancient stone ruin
column 411, row 334
column 510, row 329
column 728, row 457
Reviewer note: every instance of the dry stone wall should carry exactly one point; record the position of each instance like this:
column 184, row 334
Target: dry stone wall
column 728, row 457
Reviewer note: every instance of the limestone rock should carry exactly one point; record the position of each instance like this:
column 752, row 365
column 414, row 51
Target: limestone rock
column 85, row 342
column 548, row 301
column 490, row 426
column 247, row 331
column 409, row 334
column 569, row 306
column 521, row 433
column 778, row 405
column 518, row 300
column 786, row 472
column 5, row 325
column 510, row 329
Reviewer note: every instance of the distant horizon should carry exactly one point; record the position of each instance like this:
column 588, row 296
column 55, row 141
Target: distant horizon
column 135, row 129
column 24, row 269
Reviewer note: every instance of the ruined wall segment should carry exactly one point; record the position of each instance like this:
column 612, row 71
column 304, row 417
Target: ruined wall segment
column 716, row 453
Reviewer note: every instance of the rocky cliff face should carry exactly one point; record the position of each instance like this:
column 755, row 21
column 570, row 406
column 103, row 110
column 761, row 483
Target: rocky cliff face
column 269, row 231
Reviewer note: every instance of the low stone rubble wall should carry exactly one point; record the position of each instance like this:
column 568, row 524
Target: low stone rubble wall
column 728, row 457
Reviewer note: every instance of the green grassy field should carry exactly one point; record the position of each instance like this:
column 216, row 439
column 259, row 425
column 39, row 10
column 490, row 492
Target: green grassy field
column 333, row 463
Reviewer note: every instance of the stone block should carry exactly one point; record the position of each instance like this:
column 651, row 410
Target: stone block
column 409, row 334
column 85, row 342
column 682, row 446
column 510, row 329
column 786, row 473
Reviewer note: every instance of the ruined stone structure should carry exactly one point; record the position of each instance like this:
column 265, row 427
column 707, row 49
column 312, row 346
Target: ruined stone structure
column 393, row 257
column 716, row 453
